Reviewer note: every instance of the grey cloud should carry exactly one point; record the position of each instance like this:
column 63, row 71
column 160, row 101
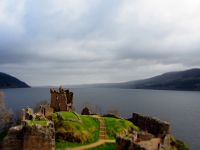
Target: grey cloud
column 96, row 41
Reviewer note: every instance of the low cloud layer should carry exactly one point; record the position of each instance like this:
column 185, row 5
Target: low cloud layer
column 86, row 41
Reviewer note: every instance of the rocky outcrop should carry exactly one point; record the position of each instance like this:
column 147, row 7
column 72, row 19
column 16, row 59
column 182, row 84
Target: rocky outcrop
column 14, row 139
column 37, row 137
column 30, row 138
column 152, row 125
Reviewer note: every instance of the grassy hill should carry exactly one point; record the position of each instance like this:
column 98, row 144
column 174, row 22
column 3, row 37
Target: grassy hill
column 72, row 127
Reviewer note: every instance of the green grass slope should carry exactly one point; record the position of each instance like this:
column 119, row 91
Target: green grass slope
column 37, row 122
column 73, row 129
column 120, row 127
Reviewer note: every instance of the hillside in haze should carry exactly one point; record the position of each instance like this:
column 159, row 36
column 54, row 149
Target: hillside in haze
column 8, row 81
column 180, row 80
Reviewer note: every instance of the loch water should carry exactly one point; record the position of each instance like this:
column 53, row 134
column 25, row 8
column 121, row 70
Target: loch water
column 180, row 108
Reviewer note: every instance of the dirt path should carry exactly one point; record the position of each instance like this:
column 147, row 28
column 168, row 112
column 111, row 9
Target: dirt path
column 85, row 147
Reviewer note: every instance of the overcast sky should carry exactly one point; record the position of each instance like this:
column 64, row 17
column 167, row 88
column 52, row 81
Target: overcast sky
column 56, row 42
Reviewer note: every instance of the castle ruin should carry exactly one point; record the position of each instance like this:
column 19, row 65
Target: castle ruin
column 61, row 100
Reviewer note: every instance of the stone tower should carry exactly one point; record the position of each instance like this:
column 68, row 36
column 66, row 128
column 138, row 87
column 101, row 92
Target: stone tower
column 61, row 100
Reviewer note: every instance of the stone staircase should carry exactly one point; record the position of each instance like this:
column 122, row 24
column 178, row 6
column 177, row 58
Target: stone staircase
column 102, row 131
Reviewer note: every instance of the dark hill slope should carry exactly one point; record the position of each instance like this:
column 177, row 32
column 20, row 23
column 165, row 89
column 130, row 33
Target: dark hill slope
column 7, row 81
column 180, row 80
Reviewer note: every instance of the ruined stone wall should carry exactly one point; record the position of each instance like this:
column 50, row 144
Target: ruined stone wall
column 70, row 97
column 38, row 137
column 29, row 138
column 70, row 100
column 150, row 124
column 46, row 110
column 62, row 100
column 127, row 144
column 54, row 103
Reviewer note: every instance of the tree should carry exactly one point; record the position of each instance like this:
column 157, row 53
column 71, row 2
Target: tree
column 6, row 117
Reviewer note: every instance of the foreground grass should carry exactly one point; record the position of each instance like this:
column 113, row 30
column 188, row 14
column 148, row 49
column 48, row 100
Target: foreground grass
column 120, row 127
column 81, row 129
column 106, row 146
column 37, row 122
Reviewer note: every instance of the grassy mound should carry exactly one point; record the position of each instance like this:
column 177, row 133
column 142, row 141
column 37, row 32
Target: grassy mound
column 120, row 127
column 75, row 128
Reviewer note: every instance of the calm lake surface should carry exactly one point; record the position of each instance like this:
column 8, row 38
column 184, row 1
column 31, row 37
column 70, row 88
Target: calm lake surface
column 181, row 109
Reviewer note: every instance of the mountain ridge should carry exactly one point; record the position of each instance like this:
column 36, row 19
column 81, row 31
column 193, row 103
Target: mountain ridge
column 187, row 80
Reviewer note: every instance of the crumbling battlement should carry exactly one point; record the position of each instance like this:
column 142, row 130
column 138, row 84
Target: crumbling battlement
column 46, row 109
column 150, row 124
column 61, row 100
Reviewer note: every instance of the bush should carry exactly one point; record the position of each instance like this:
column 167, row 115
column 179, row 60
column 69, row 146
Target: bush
column 178, row 144
column 6, row 116
column 3, row 135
